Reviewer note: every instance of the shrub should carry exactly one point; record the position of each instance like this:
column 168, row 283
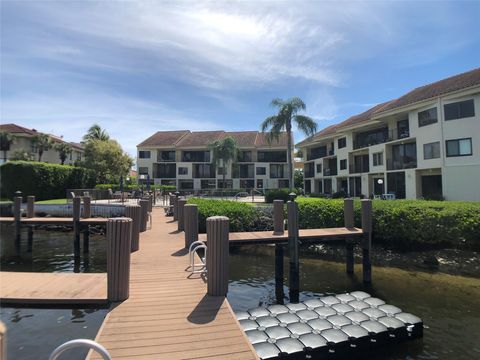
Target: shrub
column 45, row 181
column 242, row 216
column 278, row 194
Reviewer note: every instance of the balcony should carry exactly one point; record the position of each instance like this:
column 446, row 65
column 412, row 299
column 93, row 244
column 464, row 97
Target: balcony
column 166, row 156
column 400, row 164
column 330, row 172
column 379, row 137
column 358, row 168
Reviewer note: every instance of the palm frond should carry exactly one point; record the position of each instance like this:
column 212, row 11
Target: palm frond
column 297, row 104
column 306, row 124
column 277, row 102
column 268, row 122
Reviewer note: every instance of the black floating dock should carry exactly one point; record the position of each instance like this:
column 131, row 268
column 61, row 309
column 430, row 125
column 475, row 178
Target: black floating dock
column 327, row 327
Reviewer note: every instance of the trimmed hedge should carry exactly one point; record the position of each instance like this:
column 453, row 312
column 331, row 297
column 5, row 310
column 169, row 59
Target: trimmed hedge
column 116, row 187
column 242, row 216
column 278, row 194
column 45, row 181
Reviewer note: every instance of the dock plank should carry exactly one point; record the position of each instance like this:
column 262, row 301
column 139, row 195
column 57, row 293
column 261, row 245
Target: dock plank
column 168, row 315
column 53, row 288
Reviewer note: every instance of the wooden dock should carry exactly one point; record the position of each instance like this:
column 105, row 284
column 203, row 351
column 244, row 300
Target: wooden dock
column 305, row 235
column 53, row 288
column 168, row 315
column 53, row 220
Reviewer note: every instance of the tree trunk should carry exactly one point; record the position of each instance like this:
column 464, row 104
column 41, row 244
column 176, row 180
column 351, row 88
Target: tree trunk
column 5, row 155
column 40, row 153
column 289, row 156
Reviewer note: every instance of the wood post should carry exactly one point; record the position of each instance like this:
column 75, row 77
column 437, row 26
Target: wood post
column 134, row 212
column 76, row 225
column 180, row 209
column 143, row 215
column 30, row 238
column 86, row 240
column 217, row 255
column 175, row 208
column 279, row 274
column 30, row 206
column 367, row 239
column 349, row 221
column 119, row 232
column 190, row 214
column 3, row 341
column 17, row 214
column 292, row 210
column 278, row 227
column 87, row 207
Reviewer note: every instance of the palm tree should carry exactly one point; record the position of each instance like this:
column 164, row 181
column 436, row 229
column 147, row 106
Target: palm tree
column 287, row 114
column 224, row 151
column 43, row 143
column 95, row 132
column 6, row 140
column 63, row 150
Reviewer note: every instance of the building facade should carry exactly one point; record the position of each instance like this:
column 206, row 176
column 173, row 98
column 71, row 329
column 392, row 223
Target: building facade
column 183, row 158
column 23, row 141
column 425, row 144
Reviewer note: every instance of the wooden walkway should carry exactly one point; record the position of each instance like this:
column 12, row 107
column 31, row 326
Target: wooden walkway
column 53, row 220
column 267, row 237
column 53, row 288
column 168, row 315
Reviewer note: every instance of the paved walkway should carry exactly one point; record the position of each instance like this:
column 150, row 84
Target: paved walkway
column 168, row 315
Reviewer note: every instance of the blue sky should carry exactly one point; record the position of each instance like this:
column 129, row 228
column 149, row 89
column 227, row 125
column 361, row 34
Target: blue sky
column 139, row 67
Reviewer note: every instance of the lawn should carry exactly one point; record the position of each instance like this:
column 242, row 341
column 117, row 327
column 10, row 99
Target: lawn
column 52, row 201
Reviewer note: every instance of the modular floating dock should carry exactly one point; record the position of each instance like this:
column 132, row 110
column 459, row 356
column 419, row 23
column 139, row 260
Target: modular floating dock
column 327, row 327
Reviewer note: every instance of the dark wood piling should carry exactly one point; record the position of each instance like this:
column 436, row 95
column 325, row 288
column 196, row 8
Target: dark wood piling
column 144, row 215
column 17, row 214
column 292, row 211
column 190, row 214
column 180, row 209
column 279, row 273
column 134, row 212
column 367, row 239
column 87, row 207
column 349, row 224
column 119, row 232
column 30, row 206
column 175, row 208
column 30, row 238
column 278, row 218
column 76, row 226
column 217, row 255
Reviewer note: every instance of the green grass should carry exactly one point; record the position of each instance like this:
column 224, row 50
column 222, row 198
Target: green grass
column 52, row 201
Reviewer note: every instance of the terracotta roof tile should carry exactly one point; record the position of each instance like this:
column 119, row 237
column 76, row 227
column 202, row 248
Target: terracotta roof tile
column 262, row 140
column 242, row 138
column 164, row 138
column 200, row 138
column 17, row 129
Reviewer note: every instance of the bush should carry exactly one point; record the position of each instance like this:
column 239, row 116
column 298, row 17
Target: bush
column 242, row 216
column 279, row 194
column 45, row 181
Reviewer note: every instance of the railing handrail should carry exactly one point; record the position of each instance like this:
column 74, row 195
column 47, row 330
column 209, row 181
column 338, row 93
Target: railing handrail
column 80, row 343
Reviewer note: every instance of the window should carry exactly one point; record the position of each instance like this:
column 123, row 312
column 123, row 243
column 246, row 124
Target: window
column 343, row 164
column 164, row 171
column 247, row 184
column 142, row 170
column 182, row 171
column 165, row 155
column 272, row 156
column 377, row 159
column 308, row 170
column 244, row 156
column 221, row 171
column 203, row 171
column 276, row 171
column 427, row 117
column 186, row 184
column 228, row 184
column 207, row 184
column 261, row 170
column 319, row 168
column 458, row 110
column 459, row 147
column 196, row 156
column 317, row 153
column 144, row 154
column 342, row 142
column 431, row 150
column 244, row 171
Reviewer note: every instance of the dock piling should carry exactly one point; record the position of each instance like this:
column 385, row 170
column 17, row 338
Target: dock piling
column 349, row 224
column 175, row 208
column 292, row 210
column 30, row 206
column 17, row 214
column 86, row 240
column 30, row 238
column 190, row 214
column 76, row 226
column 134, row 212
column 217, row 256
column 279, row 274
column 144, row 215
column 367, row 239
column 87, row 207
column 278, row 227
column 119, row 232
column 180, row 209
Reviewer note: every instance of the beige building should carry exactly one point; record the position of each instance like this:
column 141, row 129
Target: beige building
column 182, row 158
column 23, row 141
column 425, row 144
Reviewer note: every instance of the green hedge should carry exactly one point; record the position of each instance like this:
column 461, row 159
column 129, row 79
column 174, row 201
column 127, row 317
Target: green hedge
column 278, row 194
column 129, row 187
column 242, row 216
column 45, row 181
column 404, row 223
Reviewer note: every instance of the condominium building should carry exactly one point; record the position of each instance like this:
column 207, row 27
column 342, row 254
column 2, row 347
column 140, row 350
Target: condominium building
column 424, row 144
column 24, row 143
column 184, row 159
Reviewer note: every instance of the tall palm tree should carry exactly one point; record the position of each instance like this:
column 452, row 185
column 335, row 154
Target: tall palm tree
column 288, row 114
column 95, row 132
column 224, row 151
column 43, row 143
column 6, row 140
column 63, row 150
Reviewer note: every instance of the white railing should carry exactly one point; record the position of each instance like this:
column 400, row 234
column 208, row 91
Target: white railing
column 200, row 267
column 80, row 343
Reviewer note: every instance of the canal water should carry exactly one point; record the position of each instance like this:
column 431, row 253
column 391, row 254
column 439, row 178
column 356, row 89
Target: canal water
column 449, row 303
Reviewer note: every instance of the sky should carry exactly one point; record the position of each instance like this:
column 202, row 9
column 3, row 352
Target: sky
column 137, row 67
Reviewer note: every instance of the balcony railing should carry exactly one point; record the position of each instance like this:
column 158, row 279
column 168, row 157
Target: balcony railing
column 357, row 168
column 329, row 172
column 404, row 163
column 380, row 138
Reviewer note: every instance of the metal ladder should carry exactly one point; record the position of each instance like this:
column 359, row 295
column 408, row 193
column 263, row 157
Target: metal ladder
column 80, row 343
column 201, row 267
